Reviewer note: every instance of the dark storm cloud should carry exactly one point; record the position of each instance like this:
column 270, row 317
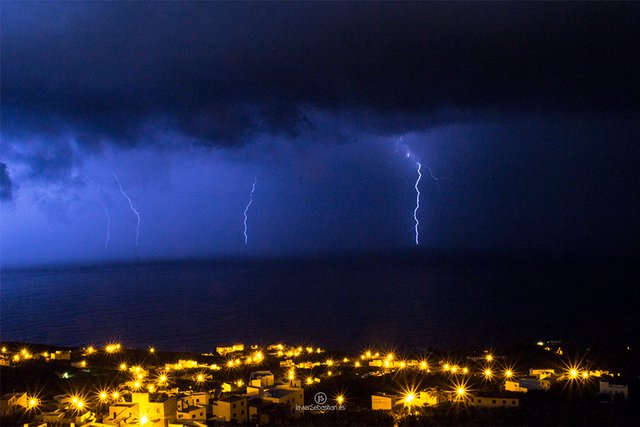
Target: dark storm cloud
column 224, row 72
column 6, row 187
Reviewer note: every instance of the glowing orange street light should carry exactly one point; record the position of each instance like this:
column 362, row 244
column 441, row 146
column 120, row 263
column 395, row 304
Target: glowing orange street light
column 409, row 398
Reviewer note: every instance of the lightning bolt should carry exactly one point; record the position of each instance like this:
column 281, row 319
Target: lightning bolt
column 409, row 155
column 106, row 211
column 253, row 188
column 132, row 209
column 415, row 211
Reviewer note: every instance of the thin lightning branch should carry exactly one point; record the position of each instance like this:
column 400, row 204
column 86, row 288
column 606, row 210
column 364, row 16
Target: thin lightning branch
column 132, row 208
column 437, row 180
column 253, row 188
column 415, row 211
column 106, row 211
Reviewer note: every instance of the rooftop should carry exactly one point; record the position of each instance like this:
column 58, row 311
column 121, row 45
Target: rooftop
column 231, row 398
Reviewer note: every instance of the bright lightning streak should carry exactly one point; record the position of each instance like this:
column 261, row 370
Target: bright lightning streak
column 415, row 211
column 253, row 188
column 132, row 209
column 106, row 211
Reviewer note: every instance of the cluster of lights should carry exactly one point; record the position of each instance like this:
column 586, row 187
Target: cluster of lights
column 284, row 351
column 234, row 363
column 77, row 402
column 455, row 369
column 575, row 373
column 106, row 396
column 112, row 348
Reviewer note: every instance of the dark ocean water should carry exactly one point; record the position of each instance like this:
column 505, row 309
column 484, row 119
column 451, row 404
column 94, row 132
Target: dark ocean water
column 438, row 301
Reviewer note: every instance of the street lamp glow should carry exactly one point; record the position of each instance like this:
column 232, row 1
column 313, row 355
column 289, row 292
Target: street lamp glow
column 32, row 403
column 409, row 398
column 340, row 399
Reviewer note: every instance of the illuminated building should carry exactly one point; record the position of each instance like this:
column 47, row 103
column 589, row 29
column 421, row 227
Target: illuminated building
column 384, row 401
column 231, row 408
column 290, row 396
column 613, row 389
column 224, row 350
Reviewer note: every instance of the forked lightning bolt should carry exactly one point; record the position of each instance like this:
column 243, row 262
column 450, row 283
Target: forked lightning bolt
column 253, row 188
column 409, row 155
column 415, row 211
column 132, row 209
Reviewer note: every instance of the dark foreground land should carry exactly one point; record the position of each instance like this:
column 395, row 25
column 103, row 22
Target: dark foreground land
column 546, row 383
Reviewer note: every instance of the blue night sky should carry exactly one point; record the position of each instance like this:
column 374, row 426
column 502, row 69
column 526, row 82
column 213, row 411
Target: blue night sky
column 529, row 112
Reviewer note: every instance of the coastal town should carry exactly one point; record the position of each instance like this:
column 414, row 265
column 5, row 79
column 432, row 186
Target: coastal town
column 118, row 385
